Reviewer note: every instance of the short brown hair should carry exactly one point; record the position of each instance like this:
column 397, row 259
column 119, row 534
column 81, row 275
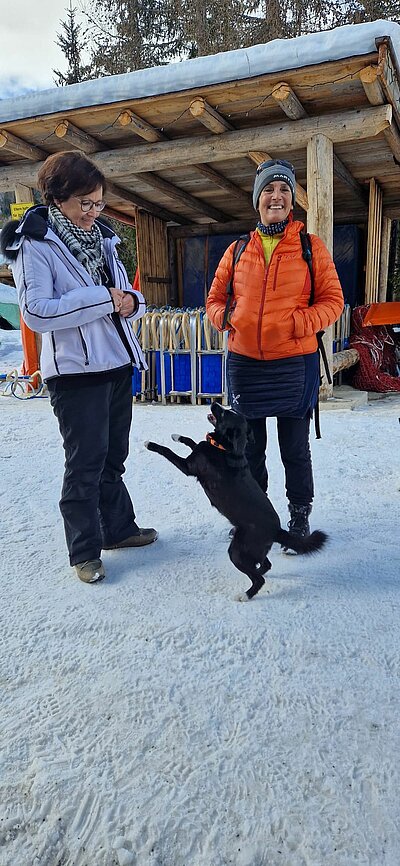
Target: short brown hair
column 67, row 173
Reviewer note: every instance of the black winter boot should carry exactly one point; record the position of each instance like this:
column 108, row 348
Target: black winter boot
column 298, row 523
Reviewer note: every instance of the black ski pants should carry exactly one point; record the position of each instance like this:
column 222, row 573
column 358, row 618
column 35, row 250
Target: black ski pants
column 94, row 423
column 294, row 446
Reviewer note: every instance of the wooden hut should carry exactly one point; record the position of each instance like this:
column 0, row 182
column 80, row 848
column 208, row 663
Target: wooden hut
column 179, row 144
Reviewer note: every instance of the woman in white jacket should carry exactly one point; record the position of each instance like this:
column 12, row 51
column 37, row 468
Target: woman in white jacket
column 74, row 290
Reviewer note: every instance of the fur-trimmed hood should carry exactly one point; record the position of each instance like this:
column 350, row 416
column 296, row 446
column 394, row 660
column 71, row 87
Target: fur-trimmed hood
column 34, row 225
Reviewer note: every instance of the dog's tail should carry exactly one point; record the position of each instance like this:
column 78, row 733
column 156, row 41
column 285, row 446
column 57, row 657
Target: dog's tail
column 309, row 544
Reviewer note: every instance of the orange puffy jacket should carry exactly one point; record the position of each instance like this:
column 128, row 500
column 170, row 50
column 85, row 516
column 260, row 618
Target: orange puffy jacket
column 270, row 315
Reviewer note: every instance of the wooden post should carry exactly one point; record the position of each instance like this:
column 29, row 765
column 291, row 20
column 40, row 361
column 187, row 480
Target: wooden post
column 320, row 217
column 372, row 274
column 384, row 264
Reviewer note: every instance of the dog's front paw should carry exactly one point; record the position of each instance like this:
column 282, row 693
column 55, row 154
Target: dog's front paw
column 149, row 445
column 175, row 437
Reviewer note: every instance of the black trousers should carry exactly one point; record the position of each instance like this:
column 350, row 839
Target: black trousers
column 294, row 446
column 94, row 423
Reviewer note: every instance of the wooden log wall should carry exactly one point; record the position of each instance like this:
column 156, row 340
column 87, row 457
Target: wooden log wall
column 152, row 253
column 373, row 243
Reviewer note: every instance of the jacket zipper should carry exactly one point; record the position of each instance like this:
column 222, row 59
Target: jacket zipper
column 264, row 292
column 53, row 340
column 84, row 347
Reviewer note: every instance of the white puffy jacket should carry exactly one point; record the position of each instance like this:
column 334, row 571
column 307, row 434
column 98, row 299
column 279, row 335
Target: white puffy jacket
column 59, row 299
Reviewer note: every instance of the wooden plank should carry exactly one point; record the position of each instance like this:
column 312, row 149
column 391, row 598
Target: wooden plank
column 320, row 219
column 23, row 193
column 384, row 263
column 153, row 259
column 373, row 243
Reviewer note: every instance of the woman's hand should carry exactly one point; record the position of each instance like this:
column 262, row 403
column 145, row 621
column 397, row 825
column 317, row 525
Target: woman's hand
column 117, row 298
column 128, row 305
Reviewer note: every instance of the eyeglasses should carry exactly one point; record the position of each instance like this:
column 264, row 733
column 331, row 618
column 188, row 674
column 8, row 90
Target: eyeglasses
column 87, row 204
column 271, row 162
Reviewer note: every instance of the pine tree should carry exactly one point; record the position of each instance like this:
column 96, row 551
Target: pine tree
column 71, row 42
column 134, row 34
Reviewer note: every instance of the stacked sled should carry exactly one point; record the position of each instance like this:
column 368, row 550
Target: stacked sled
column 185, row 357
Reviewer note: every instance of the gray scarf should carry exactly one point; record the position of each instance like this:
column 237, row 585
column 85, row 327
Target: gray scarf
column 87, row 247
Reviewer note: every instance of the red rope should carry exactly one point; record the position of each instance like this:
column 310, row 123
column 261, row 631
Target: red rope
column 375, row 344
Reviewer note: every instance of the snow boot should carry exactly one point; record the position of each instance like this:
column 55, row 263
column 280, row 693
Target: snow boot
column 138, row 538
column 298, row 523
column 90, row 571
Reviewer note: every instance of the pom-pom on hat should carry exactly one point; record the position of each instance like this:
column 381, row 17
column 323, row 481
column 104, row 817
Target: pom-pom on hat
column 267, row 172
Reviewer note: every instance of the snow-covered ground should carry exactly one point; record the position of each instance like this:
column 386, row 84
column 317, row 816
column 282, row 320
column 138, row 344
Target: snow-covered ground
column 152, row 720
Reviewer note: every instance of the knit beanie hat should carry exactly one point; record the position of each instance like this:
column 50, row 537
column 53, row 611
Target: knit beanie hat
column 267, row 172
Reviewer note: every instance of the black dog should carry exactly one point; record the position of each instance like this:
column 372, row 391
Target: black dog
column 220, row 464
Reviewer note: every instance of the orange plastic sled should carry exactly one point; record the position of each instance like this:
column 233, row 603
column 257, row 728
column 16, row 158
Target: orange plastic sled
column 383, row 314
column 31, row 360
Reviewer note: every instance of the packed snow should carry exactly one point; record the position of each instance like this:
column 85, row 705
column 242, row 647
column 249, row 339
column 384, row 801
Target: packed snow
column 152, row 720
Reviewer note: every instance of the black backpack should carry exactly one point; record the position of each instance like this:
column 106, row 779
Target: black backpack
column 306, row 247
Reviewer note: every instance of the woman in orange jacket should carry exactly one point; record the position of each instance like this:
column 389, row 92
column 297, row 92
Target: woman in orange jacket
column 273, row 360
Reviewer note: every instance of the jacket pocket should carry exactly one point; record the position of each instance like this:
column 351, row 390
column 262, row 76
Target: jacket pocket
column 84, row 347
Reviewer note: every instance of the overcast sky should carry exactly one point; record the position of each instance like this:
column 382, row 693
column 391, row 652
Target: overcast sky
column 28, row 51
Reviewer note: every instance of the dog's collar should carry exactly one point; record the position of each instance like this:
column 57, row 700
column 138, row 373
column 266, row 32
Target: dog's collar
column 211, row 441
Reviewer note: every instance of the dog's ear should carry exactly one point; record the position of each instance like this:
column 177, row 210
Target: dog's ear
column 250, row 435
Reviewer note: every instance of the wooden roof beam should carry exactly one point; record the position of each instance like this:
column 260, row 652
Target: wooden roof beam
column 293, row 108
column 151, row 134
column 190, row 201
column 340, row 127
column 77, row 138
column 148, row 132
column 224, row 183
column 218, row 124
column 81, row 140
column 347, row 178
column 19, row 147
column 371, row 79
column 288, row 101
column 119, row 192
column 139, row 126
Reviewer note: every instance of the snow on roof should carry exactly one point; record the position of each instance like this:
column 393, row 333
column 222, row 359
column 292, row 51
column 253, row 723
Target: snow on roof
column 278, row 55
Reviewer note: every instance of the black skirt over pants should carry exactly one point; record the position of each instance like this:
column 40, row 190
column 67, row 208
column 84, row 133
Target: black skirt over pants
column 286, row 389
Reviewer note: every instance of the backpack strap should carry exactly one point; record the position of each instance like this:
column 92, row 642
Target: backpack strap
column 238, row 249
column 307, row 256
